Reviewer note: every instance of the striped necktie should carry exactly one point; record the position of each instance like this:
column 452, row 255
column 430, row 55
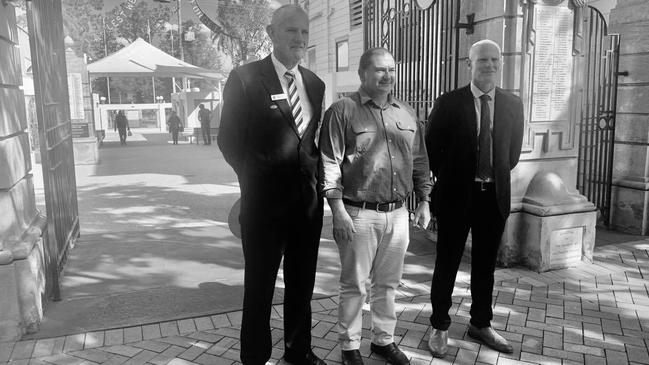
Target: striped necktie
column 485, row 167
column 294, row 101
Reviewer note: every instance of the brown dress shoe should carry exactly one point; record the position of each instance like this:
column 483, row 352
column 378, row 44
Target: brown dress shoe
column 491, row 338
column 438, row 343
column 390, row 353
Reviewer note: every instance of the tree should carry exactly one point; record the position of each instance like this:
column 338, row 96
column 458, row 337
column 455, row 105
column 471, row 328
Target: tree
column 244, row 29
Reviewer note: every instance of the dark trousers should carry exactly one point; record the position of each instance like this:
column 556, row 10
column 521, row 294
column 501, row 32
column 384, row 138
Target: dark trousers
column 174, row 136
column 122, row 136
column 266, row 238
column 207, row 138
column 487, row 225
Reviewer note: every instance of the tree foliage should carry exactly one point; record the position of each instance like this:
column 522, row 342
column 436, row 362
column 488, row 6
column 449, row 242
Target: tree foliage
column 244, row 24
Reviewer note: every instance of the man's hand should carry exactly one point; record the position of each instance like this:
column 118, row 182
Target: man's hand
column 422, row 215
column 343, row 229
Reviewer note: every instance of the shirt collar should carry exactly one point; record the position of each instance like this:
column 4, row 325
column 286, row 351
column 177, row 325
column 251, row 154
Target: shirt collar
column 365, row 98
column 280, row 68
column 477, row 93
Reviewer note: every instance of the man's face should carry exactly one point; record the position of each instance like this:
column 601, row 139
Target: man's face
column 378, row 76
column 290, row 38
column 484, row 63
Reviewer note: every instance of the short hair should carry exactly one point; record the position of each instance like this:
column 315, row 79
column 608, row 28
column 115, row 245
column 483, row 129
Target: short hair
column 367, row 56
column 280, row 14
column 481, row 43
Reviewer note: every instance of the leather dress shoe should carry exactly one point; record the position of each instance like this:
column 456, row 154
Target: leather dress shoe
column 438, row 343
column 390, row 353
column 309, row 359
column 352, row 357
column 491, row 338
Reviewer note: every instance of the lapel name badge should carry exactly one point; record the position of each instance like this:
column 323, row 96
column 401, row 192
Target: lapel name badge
column 276, row 97
column 273, row 106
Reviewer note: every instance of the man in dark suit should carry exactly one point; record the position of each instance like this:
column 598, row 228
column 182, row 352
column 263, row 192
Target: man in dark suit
column 474, row 137
column 271, row 113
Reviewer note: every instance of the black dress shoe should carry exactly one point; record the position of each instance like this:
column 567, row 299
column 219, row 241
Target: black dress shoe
column 309, row 359
column 391, row 354
column 352, row 357
column 491, row 338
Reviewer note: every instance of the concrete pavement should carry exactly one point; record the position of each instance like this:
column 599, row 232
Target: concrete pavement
column 591, row 314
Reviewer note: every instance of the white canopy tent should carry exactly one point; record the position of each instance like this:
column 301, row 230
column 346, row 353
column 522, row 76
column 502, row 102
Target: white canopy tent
column 141, row 59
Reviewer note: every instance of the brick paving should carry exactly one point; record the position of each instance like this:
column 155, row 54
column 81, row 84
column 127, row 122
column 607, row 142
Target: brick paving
column 590, row 314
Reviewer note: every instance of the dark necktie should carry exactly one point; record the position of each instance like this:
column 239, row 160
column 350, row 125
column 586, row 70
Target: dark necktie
column 294, row 100
column 485, row 168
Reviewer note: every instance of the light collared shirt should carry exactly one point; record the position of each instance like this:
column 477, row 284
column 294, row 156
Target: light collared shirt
column 477, row 93
column 307, row 110
column 372, row 153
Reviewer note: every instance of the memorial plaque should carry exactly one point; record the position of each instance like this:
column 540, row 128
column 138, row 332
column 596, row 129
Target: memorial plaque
column 552, row 63
column 80, row 130
column 75, row 91
column 565, row 247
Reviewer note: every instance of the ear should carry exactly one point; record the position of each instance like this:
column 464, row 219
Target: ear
column 360, row 75
column 270, row 31
column 468, row 63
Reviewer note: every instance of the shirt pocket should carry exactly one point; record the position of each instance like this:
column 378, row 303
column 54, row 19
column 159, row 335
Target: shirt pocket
column 364, row 135
column 407, row 130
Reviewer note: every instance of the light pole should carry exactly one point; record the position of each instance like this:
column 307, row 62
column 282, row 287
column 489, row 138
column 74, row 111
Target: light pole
column 180, row 34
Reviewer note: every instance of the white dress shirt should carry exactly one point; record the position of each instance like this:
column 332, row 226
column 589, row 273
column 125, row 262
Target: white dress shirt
column 307, row 110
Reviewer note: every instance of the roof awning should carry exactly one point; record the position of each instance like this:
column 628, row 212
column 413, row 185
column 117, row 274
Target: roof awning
column 141, row 59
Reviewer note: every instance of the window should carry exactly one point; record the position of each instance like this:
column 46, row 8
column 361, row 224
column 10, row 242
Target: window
column 355, row 13
column 342, row 55
column 310, row 58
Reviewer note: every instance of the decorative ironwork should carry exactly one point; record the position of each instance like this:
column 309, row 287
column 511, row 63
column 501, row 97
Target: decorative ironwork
column 597, row 132
column 55, row 136
column 424, row 41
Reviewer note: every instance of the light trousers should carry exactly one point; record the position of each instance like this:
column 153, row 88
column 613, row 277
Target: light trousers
column 375, row 254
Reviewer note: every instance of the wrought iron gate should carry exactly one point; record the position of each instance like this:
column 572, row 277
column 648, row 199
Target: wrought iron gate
column 425, row 46
column 54, row 133
column 597, row 130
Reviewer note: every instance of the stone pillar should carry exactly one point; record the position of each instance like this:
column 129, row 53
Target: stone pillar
column 22, row 282
column 630, row 195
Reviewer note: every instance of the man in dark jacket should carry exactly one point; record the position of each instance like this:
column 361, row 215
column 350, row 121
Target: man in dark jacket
column 271, row 113
column 474, row 139
column 204, row 116
column 121, row 125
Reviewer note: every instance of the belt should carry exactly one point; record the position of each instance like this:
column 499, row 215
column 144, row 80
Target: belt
column 379, row 207
column 483, row 185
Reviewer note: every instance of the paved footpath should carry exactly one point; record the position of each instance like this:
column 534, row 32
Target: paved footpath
column 591, row 314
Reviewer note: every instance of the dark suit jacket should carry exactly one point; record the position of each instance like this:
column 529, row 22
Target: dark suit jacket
column 259, row 139
column 452, row 144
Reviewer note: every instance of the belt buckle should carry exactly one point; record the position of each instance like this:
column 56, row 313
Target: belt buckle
column 389, row 207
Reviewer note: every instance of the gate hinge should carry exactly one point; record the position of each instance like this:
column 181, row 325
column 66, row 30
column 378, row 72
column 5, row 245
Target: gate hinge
column 622, row 73
column 470, row 21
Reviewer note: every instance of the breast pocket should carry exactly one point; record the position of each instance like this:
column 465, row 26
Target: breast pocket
column 364, row 135
column 407, row 130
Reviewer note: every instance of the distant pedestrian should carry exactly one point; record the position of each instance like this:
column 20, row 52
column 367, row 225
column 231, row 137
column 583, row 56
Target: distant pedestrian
column 204, row 116
column 175, row 125
column 121, row 125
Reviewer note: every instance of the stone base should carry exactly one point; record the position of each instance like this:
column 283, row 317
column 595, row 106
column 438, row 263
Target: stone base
column 557, row 242
column 630, row 207
column 86, row 151
column 22, row 283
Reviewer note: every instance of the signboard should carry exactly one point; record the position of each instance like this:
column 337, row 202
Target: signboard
column 553, row 59
column 80, row 130
column 75, row 91
column 565, row 247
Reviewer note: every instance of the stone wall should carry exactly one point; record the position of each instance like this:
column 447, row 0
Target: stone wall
column 630, row 195
column 22, row 282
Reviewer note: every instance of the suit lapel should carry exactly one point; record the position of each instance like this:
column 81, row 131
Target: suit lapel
column 309, row 85
column 469, row 108
column 273, row 87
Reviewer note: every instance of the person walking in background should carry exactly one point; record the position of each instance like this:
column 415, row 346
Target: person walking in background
column 205, row 116
column 372, row 156
column 474, row 137
column 121, row 125
column 271, row 113
column 174, row 125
